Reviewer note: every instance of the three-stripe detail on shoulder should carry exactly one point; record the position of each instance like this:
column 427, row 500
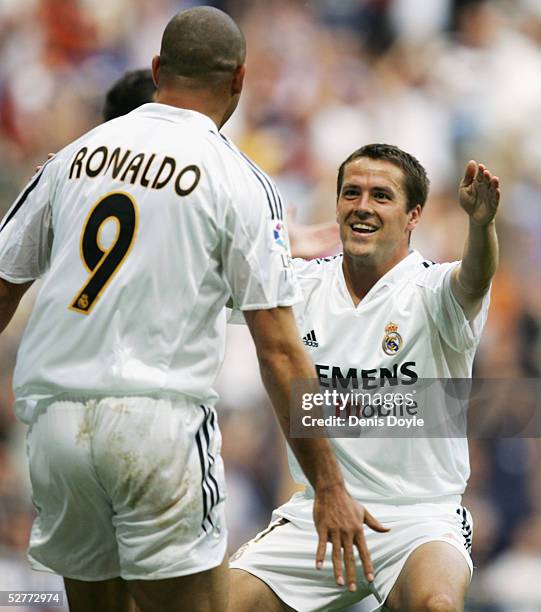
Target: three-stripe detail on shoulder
column 209, row 487
column 273, row 197
column 321, row 260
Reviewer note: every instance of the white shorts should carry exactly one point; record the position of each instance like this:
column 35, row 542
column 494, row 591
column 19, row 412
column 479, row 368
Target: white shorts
column 130, row 487
column 283, row 556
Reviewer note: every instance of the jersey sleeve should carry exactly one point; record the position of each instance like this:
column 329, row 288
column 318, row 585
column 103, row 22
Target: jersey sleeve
column 447, row 314
column 26, row 232
column 256, row 258
column 236, row 317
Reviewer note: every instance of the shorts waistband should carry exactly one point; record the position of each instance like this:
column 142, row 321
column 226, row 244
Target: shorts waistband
column 173, row 399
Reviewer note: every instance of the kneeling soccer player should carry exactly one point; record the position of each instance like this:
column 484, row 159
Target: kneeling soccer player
column 381, row 305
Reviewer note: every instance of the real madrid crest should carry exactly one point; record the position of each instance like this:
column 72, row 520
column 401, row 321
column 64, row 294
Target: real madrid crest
column 392, row 340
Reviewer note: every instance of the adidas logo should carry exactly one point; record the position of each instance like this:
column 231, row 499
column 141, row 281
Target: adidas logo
column 310, row 339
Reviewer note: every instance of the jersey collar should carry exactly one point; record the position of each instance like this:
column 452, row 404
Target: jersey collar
column 400, row 271
column 174, row 114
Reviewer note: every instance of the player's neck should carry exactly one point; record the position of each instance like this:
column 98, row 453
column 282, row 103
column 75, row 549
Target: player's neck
column 361, row 274
column 198, row 101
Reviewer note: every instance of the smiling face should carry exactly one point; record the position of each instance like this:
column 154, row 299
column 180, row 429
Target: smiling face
column 372, row 212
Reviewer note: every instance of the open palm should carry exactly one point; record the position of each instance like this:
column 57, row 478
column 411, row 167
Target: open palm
column 479, row 193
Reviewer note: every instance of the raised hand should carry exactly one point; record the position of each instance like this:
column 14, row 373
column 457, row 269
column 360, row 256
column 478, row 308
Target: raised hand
column 49, row 156
column 479, row 193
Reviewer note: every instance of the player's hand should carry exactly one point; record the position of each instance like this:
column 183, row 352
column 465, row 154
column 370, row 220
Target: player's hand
column 340, row 520
column 38, row 168
column 310, row 241
column 479, row 193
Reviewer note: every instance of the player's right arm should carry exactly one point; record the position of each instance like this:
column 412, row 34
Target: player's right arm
column 10, row 296
column 25, row 242
column 338, row 518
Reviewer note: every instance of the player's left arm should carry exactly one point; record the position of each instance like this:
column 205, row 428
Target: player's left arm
column 479, row 195
column 10, row 296
column 311, row 241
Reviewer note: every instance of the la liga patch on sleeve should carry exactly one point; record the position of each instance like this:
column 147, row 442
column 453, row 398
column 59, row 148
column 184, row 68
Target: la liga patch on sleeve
column 279, row 236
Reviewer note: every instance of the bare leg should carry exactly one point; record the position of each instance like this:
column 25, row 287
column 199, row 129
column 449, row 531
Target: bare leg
column 102, row 596
column 203, row 592
column 434, row 579
column 249, row 593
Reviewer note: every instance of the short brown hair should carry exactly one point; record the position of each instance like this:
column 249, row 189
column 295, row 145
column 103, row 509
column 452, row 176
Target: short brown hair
column 416, row 181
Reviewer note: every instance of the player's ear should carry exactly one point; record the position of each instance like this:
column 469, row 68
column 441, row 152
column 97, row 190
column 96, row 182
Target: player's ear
column 414, row 217
column 337, row 202
column 156, row 69
column 238, row 79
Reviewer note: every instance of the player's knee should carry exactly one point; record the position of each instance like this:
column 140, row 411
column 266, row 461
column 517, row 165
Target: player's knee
column 439, row 602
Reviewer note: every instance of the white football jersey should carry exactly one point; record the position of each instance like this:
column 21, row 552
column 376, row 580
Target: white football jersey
column 141, row 230
column 411, row 327
column 435, row 340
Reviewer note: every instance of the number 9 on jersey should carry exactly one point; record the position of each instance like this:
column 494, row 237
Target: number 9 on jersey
column 103, row 263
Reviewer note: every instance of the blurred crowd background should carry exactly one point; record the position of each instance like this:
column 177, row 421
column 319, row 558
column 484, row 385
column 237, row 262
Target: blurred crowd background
column 447, row 80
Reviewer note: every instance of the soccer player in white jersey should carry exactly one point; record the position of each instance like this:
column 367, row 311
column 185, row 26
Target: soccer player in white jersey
column 382, row 308
column 136, row 87
column 140, row 231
